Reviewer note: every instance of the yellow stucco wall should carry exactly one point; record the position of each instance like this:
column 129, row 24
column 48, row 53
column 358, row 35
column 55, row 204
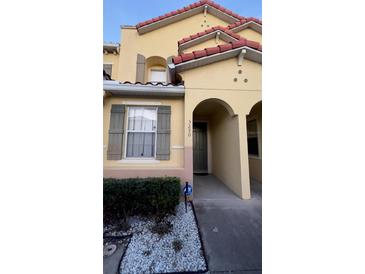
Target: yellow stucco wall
column 161, row 42
column 177, row 139
column 112, row 59
column 217, row 81
column 226, row 155
column 251, row 35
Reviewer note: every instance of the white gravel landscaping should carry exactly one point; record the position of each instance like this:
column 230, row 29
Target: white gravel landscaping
column 148, row 252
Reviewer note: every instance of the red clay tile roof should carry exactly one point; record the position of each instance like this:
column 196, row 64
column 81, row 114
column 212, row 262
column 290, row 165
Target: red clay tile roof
column 243, row 21
column 192, row 6
column 197, row 35
column 215, row 50
column 151, row 84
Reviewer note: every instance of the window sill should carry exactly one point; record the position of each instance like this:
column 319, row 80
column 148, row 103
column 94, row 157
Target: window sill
column 139, row 161
column 253, row 157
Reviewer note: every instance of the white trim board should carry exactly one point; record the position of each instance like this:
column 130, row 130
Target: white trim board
column 142, row 103
column 177, row 147
column 139, row 161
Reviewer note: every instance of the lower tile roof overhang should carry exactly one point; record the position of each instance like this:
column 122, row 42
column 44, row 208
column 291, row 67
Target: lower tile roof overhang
column 111, row 47
column 251, row 54
column 137, row 89
column 251, row 24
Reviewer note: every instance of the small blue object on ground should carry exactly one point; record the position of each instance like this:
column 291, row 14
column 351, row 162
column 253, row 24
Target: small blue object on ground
column 188, row 189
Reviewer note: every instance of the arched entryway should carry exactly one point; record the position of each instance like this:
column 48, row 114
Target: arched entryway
column 254, row 146
column 216, row 144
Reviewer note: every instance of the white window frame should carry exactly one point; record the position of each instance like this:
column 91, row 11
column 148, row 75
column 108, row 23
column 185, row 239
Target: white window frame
column 250, row 119
column 160, row 70
column 139, row 131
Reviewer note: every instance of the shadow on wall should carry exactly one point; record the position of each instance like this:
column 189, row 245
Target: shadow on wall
column 222, row 141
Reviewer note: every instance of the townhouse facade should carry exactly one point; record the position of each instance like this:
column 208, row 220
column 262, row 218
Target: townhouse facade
column 182, row 96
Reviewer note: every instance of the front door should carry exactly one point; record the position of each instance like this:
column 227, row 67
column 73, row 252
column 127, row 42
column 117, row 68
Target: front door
column 200, row 148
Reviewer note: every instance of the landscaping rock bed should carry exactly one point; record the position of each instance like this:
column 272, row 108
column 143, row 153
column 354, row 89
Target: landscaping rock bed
column 167, row 245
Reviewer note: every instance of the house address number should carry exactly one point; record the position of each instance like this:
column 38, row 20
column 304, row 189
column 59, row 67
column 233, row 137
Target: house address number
column 189, row 128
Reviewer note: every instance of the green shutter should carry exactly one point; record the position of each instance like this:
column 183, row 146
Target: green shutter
column 163, row 133
column 116, row 132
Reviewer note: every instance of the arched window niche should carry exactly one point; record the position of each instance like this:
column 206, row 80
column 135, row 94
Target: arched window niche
column 156, row 68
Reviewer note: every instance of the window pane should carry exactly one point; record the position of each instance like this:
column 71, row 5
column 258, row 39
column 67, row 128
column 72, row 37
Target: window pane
column 141, row 145
column 134, row 145
column 142, row 119
column 149, row 145
column 252, row 127
column 149, row 119
column 135, row 118
column 253, row 146
column 158, row 76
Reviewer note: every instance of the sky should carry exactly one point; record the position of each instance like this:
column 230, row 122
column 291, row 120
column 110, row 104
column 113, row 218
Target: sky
column 131, row 12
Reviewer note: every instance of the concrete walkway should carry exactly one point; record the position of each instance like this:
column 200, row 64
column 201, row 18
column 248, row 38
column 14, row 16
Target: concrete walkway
column 230, row 227
column 111, row 263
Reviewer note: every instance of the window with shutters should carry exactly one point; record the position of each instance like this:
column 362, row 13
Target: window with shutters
column 141, row 132
column 108, row 69
column 158, row 75
column 252, row 138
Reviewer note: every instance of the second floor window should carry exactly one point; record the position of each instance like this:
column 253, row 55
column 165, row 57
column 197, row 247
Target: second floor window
column 141, row 132
column 252, row 138
column 108, row 69
column 158, row 75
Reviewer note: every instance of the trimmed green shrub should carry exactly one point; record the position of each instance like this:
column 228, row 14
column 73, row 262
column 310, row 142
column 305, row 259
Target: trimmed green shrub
column 139, row 196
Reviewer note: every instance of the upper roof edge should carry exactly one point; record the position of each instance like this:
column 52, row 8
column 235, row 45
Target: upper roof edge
column 187, row 8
